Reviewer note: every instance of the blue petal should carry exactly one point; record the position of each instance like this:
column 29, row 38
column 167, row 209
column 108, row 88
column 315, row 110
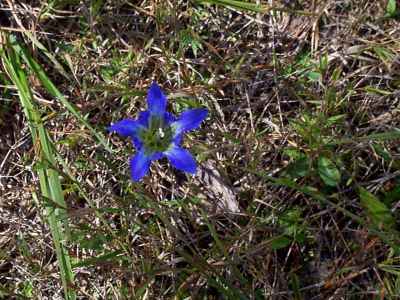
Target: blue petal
column 156, row 100
column 189, row 120
column 143, row 118
column 181, row 159
column 137, row 143
column 140, row 164
column 169, row 118
column 177, row 139
column 156, row 156
column 126, row 127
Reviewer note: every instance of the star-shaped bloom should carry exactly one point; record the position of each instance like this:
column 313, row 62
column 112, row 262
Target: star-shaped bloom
column 157, row 133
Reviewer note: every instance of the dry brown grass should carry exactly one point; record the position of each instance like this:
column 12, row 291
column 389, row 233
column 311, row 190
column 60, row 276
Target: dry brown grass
column 253, row 73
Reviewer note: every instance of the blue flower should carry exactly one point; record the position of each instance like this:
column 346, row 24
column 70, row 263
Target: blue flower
column 157, row 133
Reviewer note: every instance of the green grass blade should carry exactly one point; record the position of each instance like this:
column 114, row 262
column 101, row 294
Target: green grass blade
column 50, row 184
column 52, row 89
column 242, row 5
column 253, row 7
column 49, row 55
column 382, row 136
column 222, row 248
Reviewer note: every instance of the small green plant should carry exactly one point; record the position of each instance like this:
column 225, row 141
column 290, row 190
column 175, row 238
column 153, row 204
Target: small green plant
column 188, row 39
column 293, row 225
column 317, row 155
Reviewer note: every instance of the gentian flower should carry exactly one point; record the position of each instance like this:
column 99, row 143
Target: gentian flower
column 157, row 133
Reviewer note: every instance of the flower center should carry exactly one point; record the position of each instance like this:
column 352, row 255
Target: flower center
column 157, row 137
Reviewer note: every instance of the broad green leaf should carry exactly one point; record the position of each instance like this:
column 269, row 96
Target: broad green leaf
column 378, row 212
column 328, row 171
column 280, row 242
column 293, row 153
column 299, row 168
column 335, row 119
column 391, row 8
column 314, row 76
column 382, row 152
